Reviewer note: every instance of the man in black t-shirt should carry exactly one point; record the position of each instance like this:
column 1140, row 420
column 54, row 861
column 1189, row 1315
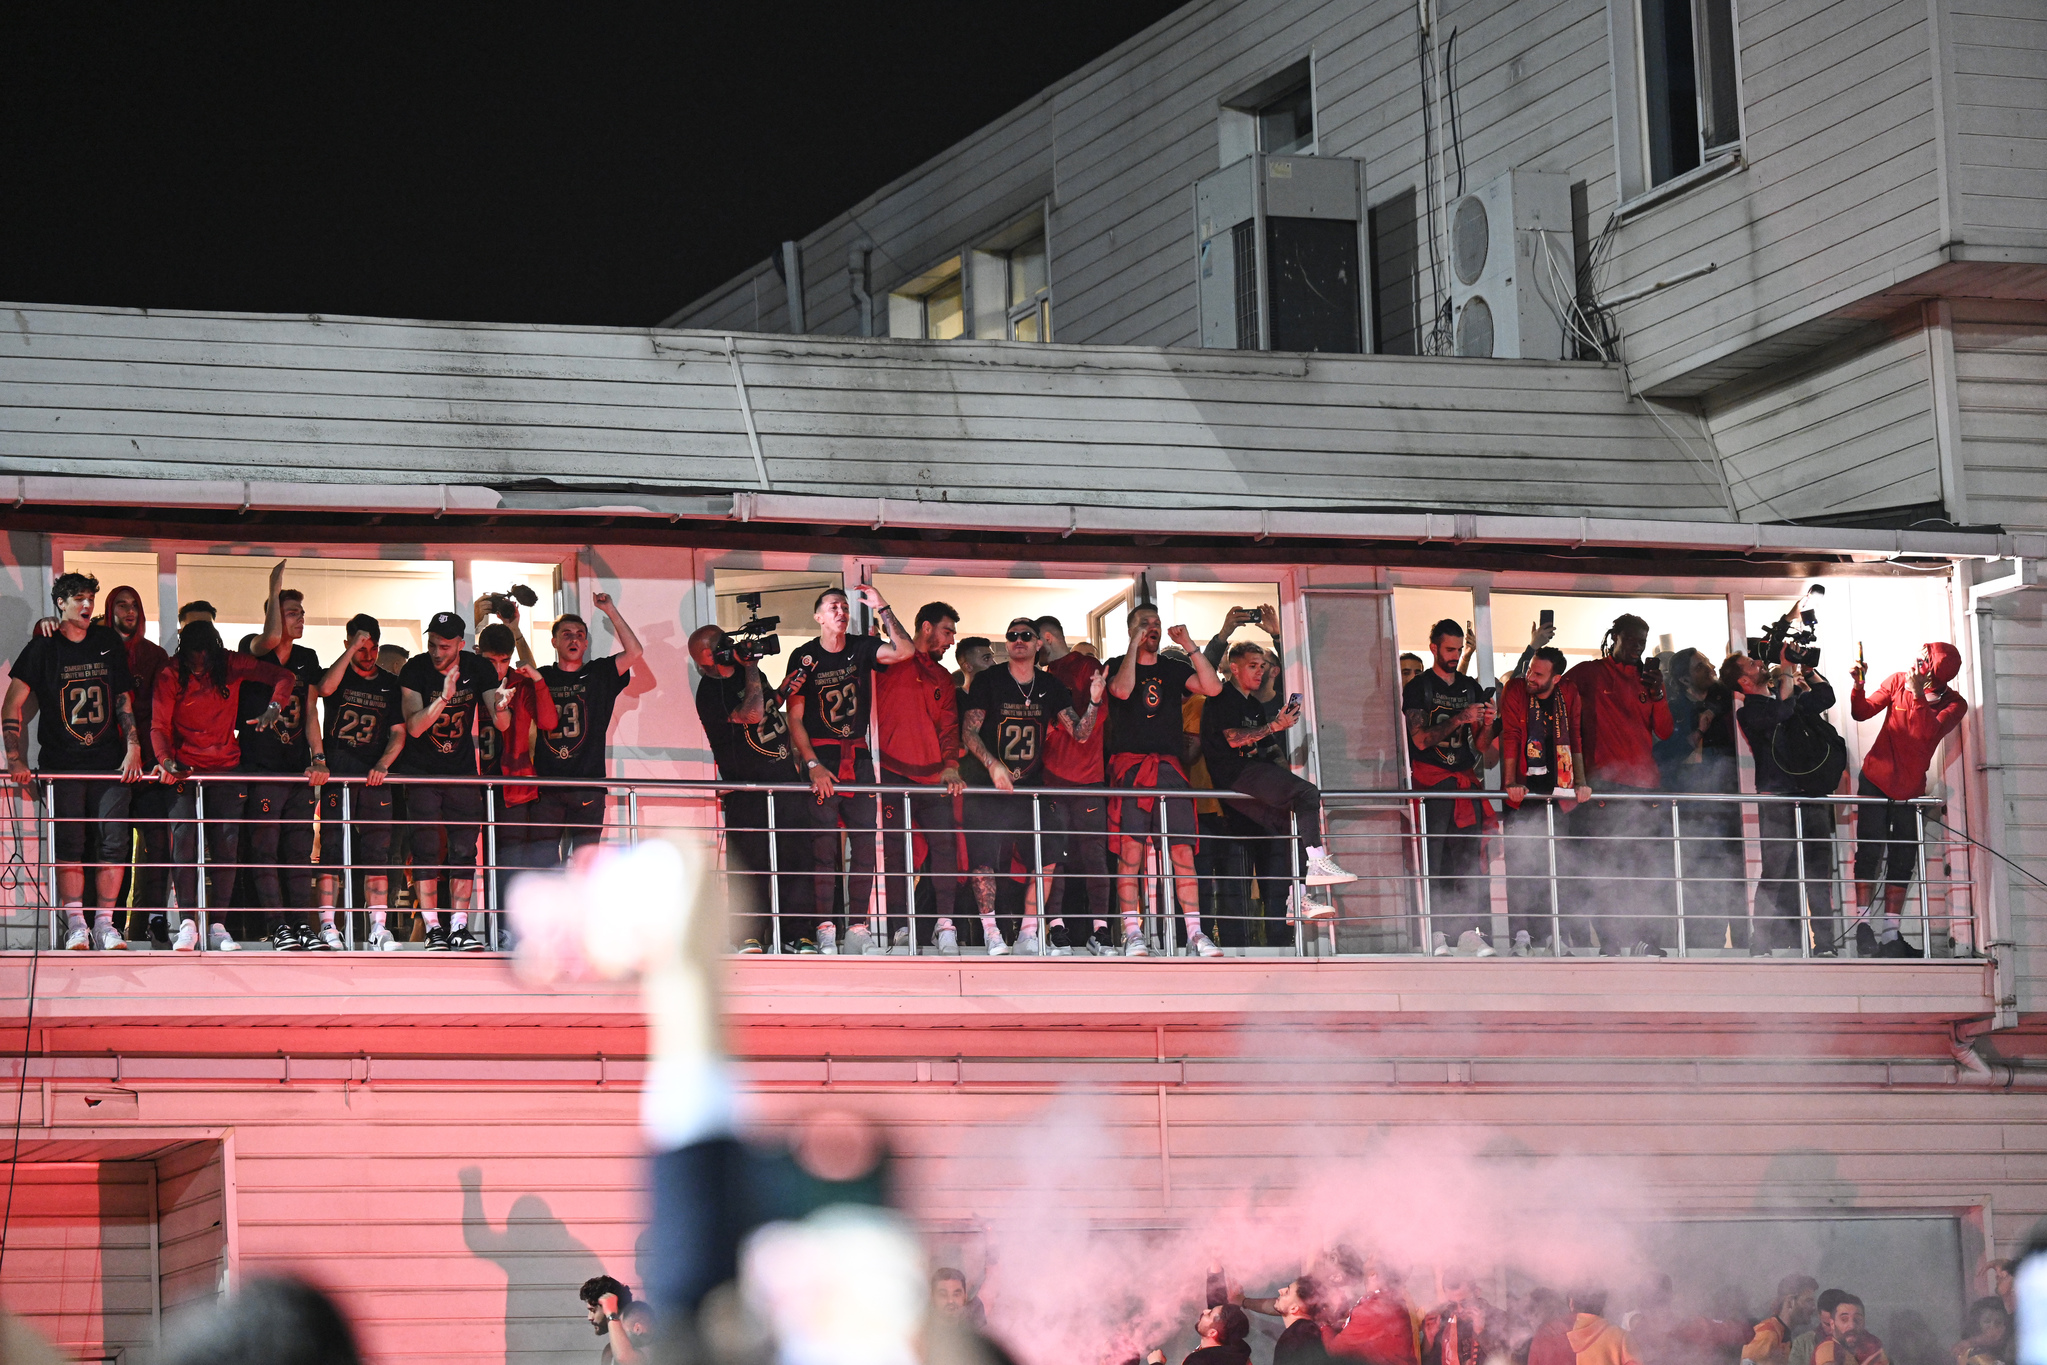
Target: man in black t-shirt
column 1240, row 741
column 585, row 690
column 1011, row 710
column 829, row 691
column 280, row 814
column 1452, row 739
column 365, row 734
column 78, row 677
column 1144, row 747
column 749, row 735
column 446, row 694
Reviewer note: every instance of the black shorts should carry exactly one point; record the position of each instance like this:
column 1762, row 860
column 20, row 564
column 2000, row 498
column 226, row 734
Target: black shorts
column 80, row 804
column 1886, row 836
column 369, row 820
column 1135, row 822
column 444, row 810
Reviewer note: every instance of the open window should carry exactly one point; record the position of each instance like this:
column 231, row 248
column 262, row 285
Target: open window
column 931, row 306
column 1275, row 116
column 1680, row 90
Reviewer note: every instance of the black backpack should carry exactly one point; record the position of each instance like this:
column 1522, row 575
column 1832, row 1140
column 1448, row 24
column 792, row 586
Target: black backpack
column 1811, row 753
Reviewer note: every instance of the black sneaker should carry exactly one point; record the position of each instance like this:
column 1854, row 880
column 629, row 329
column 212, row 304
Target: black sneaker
column 462, row 941
column 160, row 930
column 437, row 939
column 1897, row 947
column 1062, row 946
column 1865, row 940
column 285, row 938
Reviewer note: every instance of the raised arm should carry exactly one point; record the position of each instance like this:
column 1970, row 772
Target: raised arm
column 898, row 646
column 265, row 644
column 1206, row 680
column 11, row 721
column 629, row 650
column 330, row 681
column 1082, row 726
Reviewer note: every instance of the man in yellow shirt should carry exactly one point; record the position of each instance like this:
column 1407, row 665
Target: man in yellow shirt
column 1792, row 1313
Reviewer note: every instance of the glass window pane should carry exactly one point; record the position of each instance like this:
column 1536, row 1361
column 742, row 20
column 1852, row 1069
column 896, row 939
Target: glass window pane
column 1025, row 328
column 1026, row 271
column 943, row 317
column 1287, row 124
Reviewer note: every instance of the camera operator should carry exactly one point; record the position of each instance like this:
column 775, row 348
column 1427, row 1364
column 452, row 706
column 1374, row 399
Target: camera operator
column 1919, row 709
column 585, row 691
column 830, row 694
column 1240, row 739
column 1623, row 847
column 1776, row 714
column 918, row 717
column 742, row 718
column 1539, row 752
column 1453, row 738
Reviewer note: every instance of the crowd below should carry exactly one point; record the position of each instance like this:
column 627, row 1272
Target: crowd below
column 1596, row 764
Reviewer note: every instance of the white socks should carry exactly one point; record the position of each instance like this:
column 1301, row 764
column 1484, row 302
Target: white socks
column 74, row 915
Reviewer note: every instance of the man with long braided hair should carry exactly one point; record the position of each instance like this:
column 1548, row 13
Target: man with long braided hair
column 1622, row 859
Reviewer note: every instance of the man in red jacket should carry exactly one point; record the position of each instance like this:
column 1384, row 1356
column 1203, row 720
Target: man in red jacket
column 1539, row 752
column 1918, row 710
column 1623, row 847
column 917, row 711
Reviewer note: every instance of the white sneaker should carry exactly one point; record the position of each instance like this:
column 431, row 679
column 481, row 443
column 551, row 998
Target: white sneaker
column 1522, row 946
column 996, row 947
column 79, row 940
column 948, row 943
column 903, row 946
column 111, row 940
column 1135, row 946
column 1204, row 945
column 1027, row 944
column 828, row 939
column 187, row 940
column 221, row 942
column 1323, row 871
column 381, row 940
column 1473, row 942
column 330, row 939
column 858, row 941
column 1443, row 948
column 1308, row 908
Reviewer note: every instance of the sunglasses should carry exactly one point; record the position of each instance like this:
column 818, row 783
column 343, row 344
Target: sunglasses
column 1020, row 636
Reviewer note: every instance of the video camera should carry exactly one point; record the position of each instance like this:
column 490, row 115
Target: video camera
column 501, row 602
column 1791, row 639
column 751, row 642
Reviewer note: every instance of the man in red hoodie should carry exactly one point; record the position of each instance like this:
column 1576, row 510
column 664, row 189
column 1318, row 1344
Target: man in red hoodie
column 1919, row 709
column 916, row 709
column 1623, row 847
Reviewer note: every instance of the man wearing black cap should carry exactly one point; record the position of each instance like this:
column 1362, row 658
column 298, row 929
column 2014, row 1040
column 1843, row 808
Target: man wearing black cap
column 442, row 692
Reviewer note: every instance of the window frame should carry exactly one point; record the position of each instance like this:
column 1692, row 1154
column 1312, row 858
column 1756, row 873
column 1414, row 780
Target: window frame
column 1631, row 111
column 1239, row 131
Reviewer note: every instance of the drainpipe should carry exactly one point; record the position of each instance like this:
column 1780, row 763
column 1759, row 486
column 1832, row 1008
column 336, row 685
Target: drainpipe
column 792, row 281
column 1997, row 919
column 856, row 277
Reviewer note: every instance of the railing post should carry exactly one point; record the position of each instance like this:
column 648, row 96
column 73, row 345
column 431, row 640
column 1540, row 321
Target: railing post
column 1421, row 862
column 632, row 815
column 910, row 874
column 774, row 868
column 1298, row 886
column 1804, row 899
column 491, row 899
column 46, row 826
column 1037, row 868
column 1556, row 913
column 1677, row 880
column 199, row 854
column 348, row 872
column 877, row 885
column 1925, row 869
column 1168, row 884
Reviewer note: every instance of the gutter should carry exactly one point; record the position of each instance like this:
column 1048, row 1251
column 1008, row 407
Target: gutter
column 1998, row 919
column 1055, row 519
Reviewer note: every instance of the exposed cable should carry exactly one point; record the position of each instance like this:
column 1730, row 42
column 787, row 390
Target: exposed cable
column 1450, row 93
column 1978, row 843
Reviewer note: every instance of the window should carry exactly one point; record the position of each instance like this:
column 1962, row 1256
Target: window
column 1275, row 116
column 932, row 306
column 1030, row 305
column 1690, row 96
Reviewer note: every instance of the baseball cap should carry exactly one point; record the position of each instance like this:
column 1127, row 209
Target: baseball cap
column 447, row 625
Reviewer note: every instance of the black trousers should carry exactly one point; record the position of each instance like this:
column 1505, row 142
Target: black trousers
column 277, row 839
column 747, row 846
column 574, row 816
column 1252, row 851
column 1458, row 899
column 1528, row 848
column 1778, row 912
column 931, row 815
column 149, row 880
column 222, row 822
column 1715, row 873
column 1082, row 892
column 1886, row 837
column 856, row 815
column 1622, row 872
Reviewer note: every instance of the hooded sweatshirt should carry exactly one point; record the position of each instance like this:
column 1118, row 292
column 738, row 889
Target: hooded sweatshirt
column 196, row 728
column 1598, row 1342
column 1896, row 764
column 145, row 660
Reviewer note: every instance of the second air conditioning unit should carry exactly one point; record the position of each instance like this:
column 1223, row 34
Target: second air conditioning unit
column 1512, row 267
column 1277, row 246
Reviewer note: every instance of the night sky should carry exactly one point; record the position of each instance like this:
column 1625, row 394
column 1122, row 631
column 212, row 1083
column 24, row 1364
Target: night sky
column 488, row 164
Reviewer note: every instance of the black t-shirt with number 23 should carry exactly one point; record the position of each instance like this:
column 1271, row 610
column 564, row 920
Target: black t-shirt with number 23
column 837, row 688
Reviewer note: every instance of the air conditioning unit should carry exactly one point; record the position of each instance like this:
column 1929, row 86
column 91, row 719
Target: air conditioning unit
column 1506, row 298
column 1278, row 247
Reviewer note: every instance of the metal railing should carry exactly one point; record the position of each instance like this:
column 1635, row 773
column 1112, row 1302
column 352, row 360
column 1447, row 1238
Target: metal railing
column 1681, row 874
